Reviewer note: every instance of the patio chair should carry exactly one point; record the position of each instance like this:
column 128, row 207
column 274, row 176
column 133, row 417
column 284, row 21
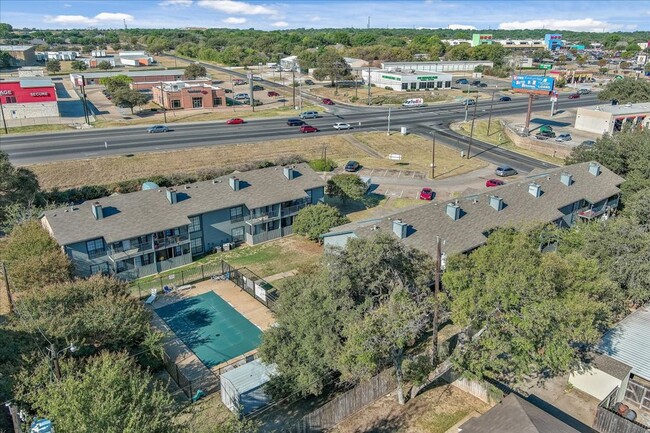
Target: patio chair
column 169, row 289
column 150, row 300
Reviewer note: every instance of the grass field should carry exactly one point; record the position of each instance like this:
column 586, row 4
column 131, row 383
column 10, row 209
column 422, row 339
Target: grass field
column 380, row 95
column 30, row 129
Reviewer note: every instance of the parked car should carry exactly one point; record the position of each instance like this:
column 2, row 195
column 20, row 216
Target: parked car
column 258, row 88
column 574, row 96
column 545, row 135
column 241, row 96
column 505, row 99
column 468, row 102
column 309, row 115
column 256, row 102
column 157, row 128
column 234, row 121
column 308, row 128
column 227, row 90
column 257, row 78
column 588, row 143
column 327, row 101
column 309, row 82
column 476, row 82
column 340, row 125
column 426, row 194
column 546, row 128
column 295, row 122
column 351, row 166
column 505, row 171
column 563, row 137
column 273, row 93
column 239, row 82
column 483, row 85
column 462, row 81
column 494, row 182
column 584, row 91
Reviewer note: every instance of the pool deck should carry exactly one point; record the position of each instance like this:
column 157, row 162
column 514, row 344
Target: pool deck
column 188, row 363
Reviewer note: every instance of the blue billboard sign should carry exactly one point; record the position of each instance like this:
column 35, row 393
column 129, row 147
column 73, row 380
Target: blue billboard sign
column 532, row 84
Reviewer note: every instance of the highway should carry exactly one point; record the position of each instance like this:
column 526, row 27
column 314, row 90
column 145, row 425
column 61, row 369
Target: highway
column 84, row 144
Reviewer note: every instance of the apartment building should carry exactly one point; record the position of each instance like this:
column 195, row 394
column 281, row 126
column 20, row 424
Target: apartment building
column 153, row 230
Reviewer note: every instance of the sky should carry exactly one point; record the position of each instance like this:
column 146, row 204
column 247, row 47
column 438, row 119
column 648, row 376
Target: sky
column 595, row 15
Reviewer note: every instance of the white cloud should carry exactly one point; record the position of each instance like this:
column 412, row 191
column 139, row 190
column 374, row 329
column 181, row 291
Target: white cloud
column 584, row 24
column 236, row 7
column 175, row 3
column 67, row 5
column 103, row 17
column 280, row 24
column 460, row 27
column 314, row 18
column 234, row 20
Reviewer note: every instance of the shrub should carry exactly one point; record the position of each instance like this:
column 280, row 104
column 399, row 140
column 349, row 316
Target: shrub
column 322, row 165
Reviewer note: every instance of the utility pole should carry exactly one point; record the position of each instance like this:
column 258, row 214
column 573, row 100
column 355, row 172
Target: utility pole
column 2, row 112
column 490, row 116
column 83, row 102
column 13, row 411
column 55, row 362
column 293, row 85
column 471, row 132
column 528, row 113
column 433, row 154
column 436, row 308
column 369, row 97
column 6, row 282
column 388, row 131
column 162, row 100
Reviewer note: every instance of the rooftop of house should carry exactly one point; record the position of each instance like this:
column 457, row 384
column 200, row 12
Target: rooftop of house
column 477, row 215
column 138, row 213
column 15, row 47
column 515, row 415
column 627, row 342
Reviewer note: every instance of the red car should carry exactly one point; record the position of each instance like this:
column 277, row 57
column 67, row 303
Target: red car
column 328, row 101
column 426, row 194
column 574, row 96
column 308, row 128
column 494, row 182
column 272, row 93
column 235, row 121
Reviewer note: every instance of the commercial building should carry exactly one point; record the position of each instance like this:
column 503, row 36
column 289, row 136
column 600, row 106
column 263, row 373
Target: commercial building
column 91, row 78
column 31, row 71
column 607, row 119
column 149, row 231
column 452, row 66
column 560, row 196
column 290, row 63
column 553, row 42
column 407, row 80
column 175, row 95
column 481, row 39
column 62, row 55
column 28, row 98
column 21, row 55
column 93, row 62
column 135, row 58
column 573, row 76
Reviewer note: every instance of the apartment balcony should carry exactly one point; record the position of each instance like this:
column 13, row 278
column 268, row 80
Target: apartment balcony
column 292, row 210
column 116, row 254
column 256, row 218
column 170, row 241
column 618, row 417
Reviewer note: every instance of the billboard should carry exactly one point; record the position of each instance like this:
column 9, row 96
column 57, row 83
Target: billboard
column 532, row 84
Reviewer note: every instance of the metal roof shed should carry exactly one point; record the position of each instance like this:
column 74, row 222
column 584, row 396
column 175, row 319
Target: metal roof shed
column 242, row 389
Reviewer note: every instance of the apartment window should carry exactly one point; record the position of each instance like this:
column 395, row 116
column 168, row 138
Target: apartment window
column 216, row 101
column 236, row 214
column 118, row 246
column 176, row 103
column 197, row 102
column 146, row 259
column 195, row 224
column 101, row 268
column 237, row 234
column 197, row 246
column 310, row 198
column 10, row 100
column 95, row 248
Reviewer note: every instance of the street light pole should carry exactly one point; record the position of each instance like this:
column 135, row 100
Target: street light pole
column 471, row 132
column 436, row 290
column 433, row 154
column 2, row 113
column 162, row 100
column 293, row 86
column 369, row 97
column 490, row 116
column 388, row 131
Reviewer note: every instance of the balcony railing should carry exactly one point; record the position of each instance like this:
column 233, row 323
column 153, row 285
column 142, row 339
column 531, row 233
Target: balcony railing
column 256, row 218
column 170, row 241
column 609, row 420
column 263, row 237
column 293, row 209
column 133, row 250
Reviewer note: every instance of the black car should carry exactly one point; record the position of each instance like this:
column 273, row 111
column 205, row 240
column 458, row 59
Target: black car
column 545, row 135
column 462, row 81
column 257, row 87
column 309, row 82
column 483, row 85
column 295, row 122
column 352, row 166
column 504, row 171
column 476, row 83
column 505, row 99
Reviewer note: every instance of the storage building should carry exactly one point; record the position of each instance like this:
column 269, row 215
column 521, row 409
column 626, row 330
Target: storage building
column 242, row 389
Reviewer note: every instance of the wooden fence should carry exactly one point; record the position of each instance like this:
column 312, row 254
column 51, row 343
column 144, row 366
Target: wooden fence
column 639, row 394
column 608, row 421
column 346, row 404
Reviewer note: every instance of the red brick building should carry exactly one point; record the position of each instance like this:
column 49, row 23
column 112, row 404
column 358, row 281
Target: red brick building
column 28, row 98
column 174, row 95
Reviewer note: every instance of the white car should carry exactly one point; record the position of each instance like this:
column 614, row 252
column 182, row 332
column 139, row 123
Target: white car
column 340, row 125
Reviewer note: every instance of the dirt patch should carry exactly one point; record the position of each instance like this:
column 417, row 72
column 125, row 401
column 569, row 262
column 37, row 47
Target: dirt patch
column 435, row 411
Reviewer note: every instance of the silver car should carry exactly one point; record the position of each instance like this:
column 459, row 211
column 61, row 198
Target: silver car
column 157, row 128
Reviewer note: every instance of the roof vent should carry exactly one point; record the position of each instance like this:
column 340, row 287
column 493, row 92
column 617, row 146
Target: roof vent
column 288, row 172
column 566, row 179
column 98, row 213
column 594, row 168
column 234, row 183
column 496, row 202
column 453, row 210
column 534, row 189
column 400, row 228
column 171, row 195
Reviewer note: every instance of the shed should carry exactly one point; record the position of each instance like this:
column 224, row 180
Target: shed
column 242, row 389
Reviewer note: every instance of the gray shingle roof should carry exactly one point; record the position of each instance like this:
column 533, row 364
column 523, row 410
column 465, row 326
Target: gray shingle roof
column 478, row 217
column 628, row 343
column 516, row 415
column 142, row 212
column 147, row 73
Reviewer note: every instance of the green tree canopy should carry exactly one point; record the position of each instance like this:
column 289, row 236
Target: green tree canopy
column 330, row 64
column 5, row 59
column 195, row 70
column 107, row 393
column 117, row 82
column 104, row 65
column 129, row 98
column 17, row 185
column 346, row 186
column 313, row 221
column 53, row 66
column 626, row 90
column 78, row 65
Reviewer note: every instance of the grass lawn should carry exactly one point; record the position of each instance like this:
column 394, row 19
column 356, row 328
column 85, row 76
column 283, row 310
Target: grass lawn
column 35, row 128
column 202, row 416
column 379, row 95
column 499, row 138
column 357, row 211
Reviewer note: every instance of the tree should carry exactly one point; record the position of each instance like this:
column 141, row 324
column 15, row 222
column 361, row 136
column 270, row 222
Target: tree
column 104, row 65
column 117, row 82
column 646, row 68
column 625, row 65
column 626, row 90
column 5, row 30
column 53, row 66
column 346, row 186
column 129, row 98
column 194, row 71
column 313, row 221
column 78, row 65
column 5, row 59
column 17, row 185
column 536, row 312
column 158, row 45
column 637, row 207
column 383, row 335
column 107, row 393
column 330, row 64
